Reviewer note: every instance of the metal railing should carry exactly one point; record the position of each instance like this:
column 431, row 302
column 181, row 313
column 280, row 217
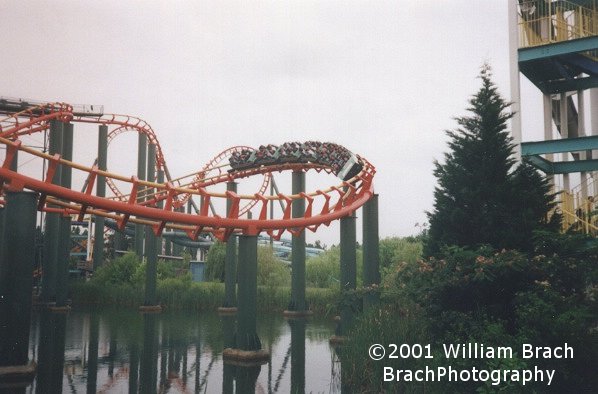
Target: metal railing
column 544, row 22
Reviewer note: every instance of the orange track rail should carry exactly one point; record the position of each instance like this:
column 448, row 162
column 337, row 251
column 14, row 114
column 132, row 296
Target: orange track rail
column 333, row 203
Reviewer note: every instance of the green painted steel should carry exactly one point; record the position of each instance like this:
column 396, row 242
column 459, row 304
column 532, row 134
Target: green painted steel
column 50, row 352
column 64, row 248
column 247, row 338
column 160, row 240
column 98, row 246
column 371, row 251
column 141, row 163
column 151, row 248
column 14, row 165
column 576, row 144
column 297, row 302
column 557, row 49
column 52, row 225
column 1, row 242
column 569, row 85
column 92, row 366
column 230, row 262
column 348, row 273
column 297, row 355
column 17, row 280
column 149, row 355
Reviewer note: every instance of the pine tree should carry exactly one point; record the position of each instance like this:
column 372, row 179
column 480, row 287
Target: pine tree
column 478, row 199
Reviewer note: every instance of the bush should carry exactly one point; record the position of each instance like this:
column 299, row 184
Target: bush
column 270, row 270
column 323, row 271
column 215, row 262
column 120, row 271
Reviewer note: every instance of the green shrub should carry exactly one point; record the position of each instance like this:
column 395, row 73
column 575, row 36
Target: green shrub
column 323, row 271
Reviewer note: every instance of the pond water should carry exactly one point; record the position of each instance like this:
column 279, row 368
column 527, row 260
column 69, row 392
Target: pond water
column 120, row 351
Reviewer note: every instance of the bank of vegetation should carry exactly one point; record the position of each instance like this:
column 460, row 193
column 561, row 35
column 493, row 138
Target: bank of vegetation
column 495, row 270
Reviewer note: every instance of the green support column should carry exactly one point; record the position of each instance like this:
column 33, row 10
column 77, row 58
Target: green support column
column 64, row 248
column 230, row 262
column 228, row 370
column 149, row 355
column 297, row 355
column 192, row 251
column 52, row 227
column 17, row 280
column 151, row 251
column 160, row 179
column 1, row 245
column 246, row 338
column 177, row 249
column 297, row 305
column 98, row 246
column 371, row 252
column 348, row 273
column 92, row 358
column 141, row 162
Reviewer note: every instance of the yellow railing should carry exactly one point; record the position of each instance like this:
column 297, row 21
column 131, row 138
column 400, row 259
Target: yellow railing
column 545, row 22
column 579, row 210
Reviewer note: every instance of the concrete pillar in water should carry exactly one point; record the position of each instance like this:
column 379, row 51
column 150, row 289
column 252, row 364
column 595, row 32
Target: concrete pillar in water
column 16, row 282
column 151, row 251
column 248, row 344
column 348, row 273
column 64, row 247
column 297, row 305
column 371, row 252
column 230, row 264
column 141, row 162
column 52, row 225
column 98, row 246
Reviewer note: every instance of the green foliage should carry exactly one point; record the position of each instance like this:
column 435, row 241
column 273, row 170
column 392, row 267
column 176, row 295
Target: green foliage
column 323, row 270
column 215, row 262
column 395, row 250
column 270, row 270
column 121, row 270
column 479, row 199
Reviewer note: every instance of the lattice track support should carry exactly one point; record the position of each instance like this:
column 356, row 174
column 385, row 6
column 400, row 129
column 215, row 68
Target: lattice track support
column 16, row 281
column 371, row 252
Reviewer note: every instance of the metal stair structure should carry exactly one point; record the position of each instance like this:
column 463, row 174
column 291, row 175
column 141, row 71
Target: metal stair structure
column 558, row 52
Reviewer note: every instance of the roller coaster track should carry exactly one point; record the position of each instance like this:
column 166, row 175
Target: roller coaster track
column 322, row 206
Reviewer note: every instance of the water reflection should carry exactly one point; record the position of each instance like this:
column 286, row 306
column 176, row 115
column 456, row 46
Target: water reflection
column 124, row 351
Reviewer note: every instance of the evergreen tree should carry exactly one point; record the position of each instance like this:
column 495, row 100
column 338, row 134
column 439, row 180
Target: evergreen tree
column 478, row 199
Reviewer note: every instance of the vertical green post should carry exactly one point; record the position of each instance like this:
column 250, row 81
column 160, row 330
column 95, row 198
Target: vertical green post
column 52, row 227
column 192, row 251
column 17, row 281
column 230, row 261
column 297, row 355
column 64, row 248
column 371, row 252
column 177, row 249
column 14, row 166
column 149, row 355
column 228, row 370
column 98, row 246
column 160, row 179
column 92, row 359
column 348, row 272
column 247, row 338
column 297, row 303
column 2, row 265
column 151, row 251
column 141, row 162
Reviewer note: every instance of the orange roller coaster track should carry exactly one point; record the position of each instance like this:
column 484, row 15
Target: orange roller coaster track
column 322, row 206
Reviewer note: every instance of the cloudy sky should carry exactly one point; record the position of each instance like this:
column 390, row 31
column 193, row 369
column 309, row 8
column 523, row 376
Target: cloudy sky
column 383, row 78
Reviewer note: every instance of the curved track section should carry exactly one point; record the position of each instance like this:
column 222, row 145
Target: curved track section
column 322, row 206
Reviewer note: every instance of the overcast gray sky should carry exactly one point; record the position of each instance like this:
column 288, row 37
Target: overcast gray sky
column 383, row 78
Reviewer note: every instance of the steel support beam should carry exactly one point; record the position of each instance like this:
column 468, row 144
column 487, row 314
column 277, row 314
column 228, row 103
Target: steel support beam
column 52, row 225
column 64, row 248
column 230, row 262
column 558, row 48
column 151, row 250
column 371, row 251
column 247, row 338
column 348, row 273
column 141, row 163
column 576, row 144
column 98, row 246
column 297, row 302
column 17, row 280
